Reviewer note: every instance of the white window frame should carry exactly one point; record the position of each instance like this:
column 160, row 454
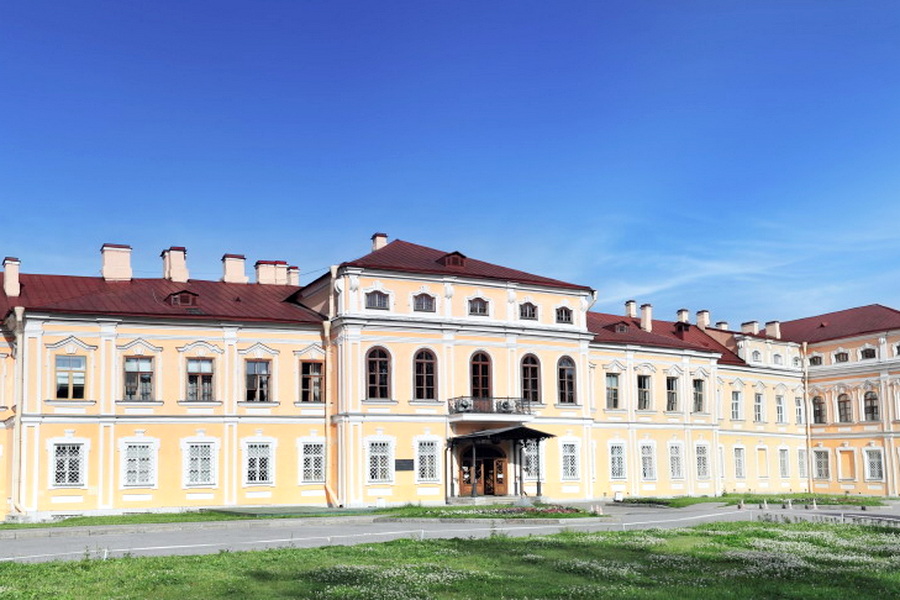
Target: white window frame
column 200, row 440
column 418, row 442
column 701, row 451
column 84, row 450
column 676, row 461
column 648, row 461
column 622, row 458
column 617, row 388
column 390, row 470
column 737, row 405
column 304, row 444
column 784, row 463
column 272, row 443
column 799, row 410
column 817, row 472
column 739, row 457
column 570, row 459
column 780, row 416
column 759, row 407
column 153, row 444
column 802, row 463
column 867, row 452
column 532, row 456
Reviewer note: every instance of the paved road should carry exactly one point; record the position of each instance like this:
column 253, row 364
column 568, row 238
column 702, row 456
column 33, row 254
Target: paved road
column 74, row 543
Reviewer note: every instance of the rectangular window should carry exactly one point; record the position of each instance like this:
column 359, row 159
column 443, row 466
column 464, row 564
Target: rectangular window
column 874, row 464
column 739, row 465
column 312, row 462
column 821, row 468
column 612, row 390
column 427, row 456
column 68, row 465
column 671, row 394
column 676, row 462
column 70, row 376
column 784, row 463
column 259, row 463
column 762, row 462
column 569, row 461
column 702, row 461
column 380, row 468
column 648, row 463
column 698, row 396
column 139, row 378
column 200, row 380
column 779, row 410
column 799, row 412
column 643, row 385
column 200, row 469
column 735, row 406
column 530, row 459
column 312, row 381
column 758, row 408
column 139, row 471
column 801, row 462
column 617, row 461
column 258, row 372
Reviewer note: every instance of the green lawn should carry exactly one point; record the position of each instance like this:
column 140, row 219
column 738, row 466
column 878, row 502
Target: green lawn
column 772, row 499
column 735, row 560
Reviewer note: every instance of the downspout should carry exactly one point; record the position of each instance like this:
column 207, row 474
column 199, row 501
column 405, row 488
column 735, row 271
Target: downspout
column 330, row 496
column 19, row 398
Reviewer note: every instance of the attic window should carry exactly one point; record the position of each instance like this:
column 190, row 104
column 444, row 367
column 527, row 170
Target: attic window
column 453, row 259
column 621, row 328
column 183, row 299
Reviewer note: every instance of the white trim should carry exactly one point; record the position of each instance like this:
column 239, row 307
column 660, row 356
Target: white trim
column 142, row 440
column 302, row 443
column 391, row 441
column 576, row 443
column 261, row 440
column 185, row 444
column 51, row 444
column 439, row 468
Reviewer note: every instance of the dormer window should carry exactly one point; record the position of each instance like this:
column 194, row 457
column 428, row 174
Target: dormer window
column 453, row 259
column 867, row 354
column 528, row 311
column 563, row 315
column 756, row 356
column 815, row 361
column 621, row 328
column 377, row 300
column 183, row 298
column 841, row 357
column 777, row 359
column 423, row 303
column 478, row 307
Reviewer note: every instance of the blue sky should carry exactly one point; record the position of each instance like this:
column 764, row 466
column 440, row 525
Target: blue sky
column 741, row 157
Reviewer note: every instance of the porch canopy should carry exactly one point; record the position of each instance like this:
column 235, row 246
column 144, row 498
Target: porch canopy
column 503, row 434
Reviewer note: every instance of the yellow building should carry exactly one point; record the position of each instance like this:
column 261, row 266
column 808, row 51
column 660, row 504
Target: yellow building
column 407, row 375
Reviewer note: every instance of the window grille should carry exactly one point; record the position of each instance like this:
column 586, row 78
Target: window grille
column 200, row 465
column 379, row 462
column 313, row 462
column 259, row 463
column 69, row 465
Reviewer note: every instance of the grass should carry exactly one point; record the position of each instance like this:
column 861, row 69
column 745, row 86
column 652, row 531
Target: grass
column 722, row 560
column 772, row 499
column 495, row 511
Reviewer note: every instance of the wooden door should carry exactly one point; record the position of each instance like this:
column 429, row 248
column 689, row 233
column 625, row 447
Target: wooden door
column 500, row 483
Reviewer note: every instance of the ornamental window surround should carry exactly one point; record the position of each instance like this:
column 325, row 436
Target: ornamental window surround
column 528, row 311
column 478, row 307
column 424, row 303
column 377, row 300
column 564, row 315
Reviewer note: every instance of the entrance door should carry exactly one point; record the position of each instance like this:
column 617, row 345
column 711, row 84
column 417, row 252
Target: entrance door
column 489, row 470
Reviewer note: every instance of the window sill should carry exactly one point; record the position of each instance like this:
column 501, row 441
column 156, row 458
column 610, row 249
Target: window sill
column 700, row 413
column 647, row 411
column 139, row 402
column 673, row 413
column 70, row 402
column 200, row 403
column 380, row 401
column 566, row 405
column 310, row 404
column 250, row 403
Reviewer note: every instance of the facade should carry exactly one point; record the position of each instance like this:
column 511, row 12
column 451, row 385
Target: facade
column 416, row 375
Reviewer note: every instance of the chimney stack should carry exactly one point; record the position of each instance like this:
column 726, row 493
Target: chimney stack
column 703, row 319
column 647, row 317
column 631, row 309
column 269, row 271
column 750, row 327
column 379, row 241
column 722, row 325
column 175, row 264
column 773, row 329
column 293, row 274
column 116, row 262
column 683, row 314
column 11, row 286
column 233, row 269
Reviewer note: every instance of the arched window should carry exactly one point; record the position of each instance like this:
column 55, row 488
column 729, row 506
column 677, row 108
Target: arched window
column 777, row 359
column 756, row 356
column 819, row 413
column 478, row 307
column 566, row 380
column 378, row 369
column 845, row 409
column 425, row 368
column 376, row 299
column 841, row 357
column 531, row 379
column 528, row 311
column 423, row 303
column 563, row 315
column 481, row 375
column 870, row 404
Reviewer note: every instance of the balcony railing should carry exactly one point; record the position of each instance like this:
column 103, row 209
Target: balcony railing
column 507, row 406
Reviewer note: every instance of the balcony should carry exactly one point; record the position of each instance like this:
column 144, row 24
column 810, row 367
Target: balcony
column 502, row 409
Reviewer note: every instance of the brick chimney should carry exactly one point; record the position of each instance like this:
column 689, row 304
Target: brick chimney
column 773, row 329
column 703, row 319
column 721, row 324
column 11, row 286
column 379, row 241
column 175, row 264
column 267, row 271
column 647, row 317
column 750, row 327
column 233, row 268
column 631, row 309
column 293, row 275
column 683, row 315
column 116, row 262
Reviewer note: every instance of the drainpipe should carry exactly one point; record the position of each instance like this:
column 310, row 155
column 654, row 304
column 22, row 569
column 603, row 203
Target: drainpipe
column 330, row 496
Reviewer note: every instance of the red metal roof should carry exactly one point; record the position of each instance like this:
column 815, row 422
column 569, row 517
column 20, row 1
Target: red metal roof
column 664, row 334
column 843, row 323
column 412, row 258
column 149, row 298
